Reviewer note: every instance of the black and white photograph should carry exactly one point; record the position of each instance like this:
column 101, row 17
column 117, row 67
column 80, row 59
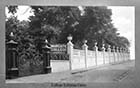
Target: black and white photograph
column 69, row 44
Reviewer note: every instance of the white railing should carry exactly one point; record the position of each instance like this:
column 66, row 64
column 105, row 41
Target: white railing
column 87, row 58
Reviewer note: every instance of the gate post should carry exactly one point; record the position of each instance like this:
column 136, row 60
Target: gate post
column 70, row 50
column 11, row 58
column 46, row 57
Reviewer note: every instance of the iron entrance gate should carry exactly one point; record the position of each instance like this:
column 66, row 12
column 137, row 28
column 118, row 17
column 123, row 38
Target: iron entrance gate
column 23, row 65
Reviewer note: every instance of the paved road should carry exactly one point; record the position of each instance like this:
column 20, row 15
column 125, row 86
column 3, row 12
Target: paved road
column 112, row 73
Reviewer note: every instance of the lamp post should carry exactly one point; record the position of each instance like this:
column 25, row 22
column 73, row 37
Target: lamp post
column 11, row 58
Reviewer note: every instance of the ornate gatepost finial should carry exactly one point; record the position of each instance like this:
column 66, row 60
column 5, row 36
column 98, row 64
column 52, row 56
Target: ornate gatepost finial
column 95, row 44
column 95, row 48
column 109, row 49
column 85, row 41
column 85, row 44
column 103, row 47
column 69, row 37
column 11, row 34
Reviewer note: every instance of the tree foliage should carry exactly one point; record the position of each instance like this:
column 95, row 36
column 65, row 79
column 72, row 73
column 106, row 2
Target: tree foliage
column 94, row 24
column 12, row 9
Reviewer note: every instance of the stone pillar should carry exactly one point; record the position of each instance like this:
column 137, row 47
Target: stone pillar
column 117, row 52
column 109, row 52
column 85, row 48
column 114, row 54
column 11, row 58
column 96, row 52
column 46, row 57
column 128, row 54
column 103, row 51
column 120, row 51
column 70, row 50
column 123, row 55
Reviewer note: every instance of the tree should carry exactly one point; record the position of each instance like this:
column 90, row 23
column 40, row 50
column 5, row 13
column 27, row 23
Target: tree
column 94, row 24
column 12, row 9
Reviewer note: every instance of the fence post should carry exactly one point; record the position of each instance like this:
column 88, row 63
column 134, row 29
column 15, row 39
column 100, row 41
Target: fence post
column 70, row 50
column 96, row 52
column 128, row 54
column 117, row 52
column 11, row 58
column 114, row 54
column 125, row 54
column 103, row 49
column 121, row 54
column 85, row 48
column 109, row 51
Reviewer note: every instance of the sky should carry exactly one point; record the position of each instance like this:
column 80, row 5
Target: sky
column 123, row 18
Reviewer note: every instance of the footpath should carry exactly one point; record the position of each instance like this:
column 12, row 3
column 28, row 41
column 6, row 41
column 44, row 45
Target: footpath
column 55, row 77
